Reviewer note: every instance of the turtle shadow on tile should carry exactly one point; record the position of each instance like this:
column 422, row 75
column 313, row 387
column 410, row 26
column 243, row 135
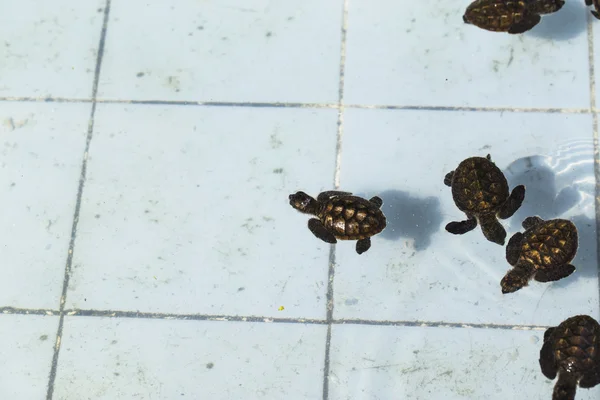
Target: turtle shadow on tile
column 567, row 23
column 410, row 216
column 542, row 198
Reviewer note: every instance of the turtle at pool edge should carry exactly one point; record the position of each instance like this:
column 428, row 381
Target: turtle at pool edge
column 596, row 4
column 480, row 190
column 572, row 350
column 543, row 252
column 339, row 215
column 512, row 16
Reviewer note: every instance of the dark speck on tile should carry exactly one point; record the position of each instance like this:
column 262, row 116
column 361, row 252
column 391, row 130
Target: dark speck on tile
column 139, row 74
column 278, row 170
column 43, row 337
column 224, row 38
column 97, row 216
column 210, row 365
column 200, row 28
column 241, row 289
column 269, row 34
column 100, row 10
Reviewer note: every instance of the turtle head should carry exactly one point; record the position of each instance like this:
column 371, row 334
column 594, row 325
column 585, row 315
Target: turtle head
column 515, row 279
column 303, row 203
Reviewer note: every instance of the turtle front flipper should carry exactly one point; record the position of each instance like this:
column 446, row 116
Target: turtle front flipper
column 513, row 203
column 530, row 222
column 377, row 201
column 318, row 229
column 363, row 245
column 547, row 362
column 588, row 2
column 513, row 248
column 448, row 178
column 554, row 274
column 548, row 333
column 461, row 227
column 565, row 387
column 529, row 21
column 492, row 229
column 323, row 196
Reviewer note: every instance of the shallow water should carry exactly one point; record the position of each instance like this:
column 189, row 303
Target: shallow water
column 148, row 151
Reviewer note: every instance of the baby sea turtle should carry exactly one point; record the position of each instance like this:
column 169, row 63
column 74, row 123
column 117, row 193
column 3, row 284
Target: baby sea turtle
column 572, row 349
column 596, row 4
column 480, row 190
column 512, row 16
column 543, row 252
column 339, row 215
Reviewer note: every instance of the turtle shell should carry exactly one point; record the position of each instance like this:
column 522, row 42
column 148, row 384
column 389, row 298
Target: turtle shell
column 545, row 6
column 478, row 186
column 576, row 344
column 549, row 244
column 351, row 217
column 496, row 15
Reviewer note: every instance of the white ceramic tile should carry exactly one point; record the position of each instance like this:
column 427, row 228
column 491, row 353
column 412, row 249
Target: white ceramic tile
column 256, row 50
column 157, row 359
column 42, row 150
column 49, row 49
column 422, row 53
column 27, row 347
column 386, row 362
column 415, row 270
column 185, row 209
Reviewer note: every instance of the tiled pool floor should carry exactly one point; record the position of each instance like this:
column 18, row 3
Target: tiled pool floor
column 148, row 151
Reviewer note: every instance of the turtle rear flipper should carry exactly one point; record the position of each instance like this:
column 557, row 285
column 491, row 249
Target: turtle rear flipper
column 318, row 229
column 530, row 222
column 461, row 227
column 590, row 379
column 547, row 363
column 565, row 388
column 492, row 229
column 324, row 196
column 363, row 245
column 448, row 178
column 595, row 14
column 513, row 248
column 529, row 21
column 554, row 274
column 513, row 203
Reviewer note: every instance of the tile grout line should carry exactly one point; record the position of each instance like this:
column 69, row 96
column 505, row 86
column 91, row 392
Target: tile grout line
column 69, row 262
column 334, row 106
column 336, row 184
column 120, row 314
column 592, row 75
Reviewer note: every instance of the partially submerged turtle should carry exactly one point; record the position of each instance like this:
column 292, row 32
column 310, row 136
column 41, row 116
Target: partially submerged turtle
column 480, row 190
column 543, row 252
column 596, row 4
column 512, row 16
column 339, row 215
column 572, row 350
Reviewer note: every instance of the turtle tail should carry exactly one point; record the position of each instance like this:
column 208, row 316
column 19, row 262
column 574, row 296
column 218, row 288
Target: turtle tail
column 565, row 388
column 492, row 229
